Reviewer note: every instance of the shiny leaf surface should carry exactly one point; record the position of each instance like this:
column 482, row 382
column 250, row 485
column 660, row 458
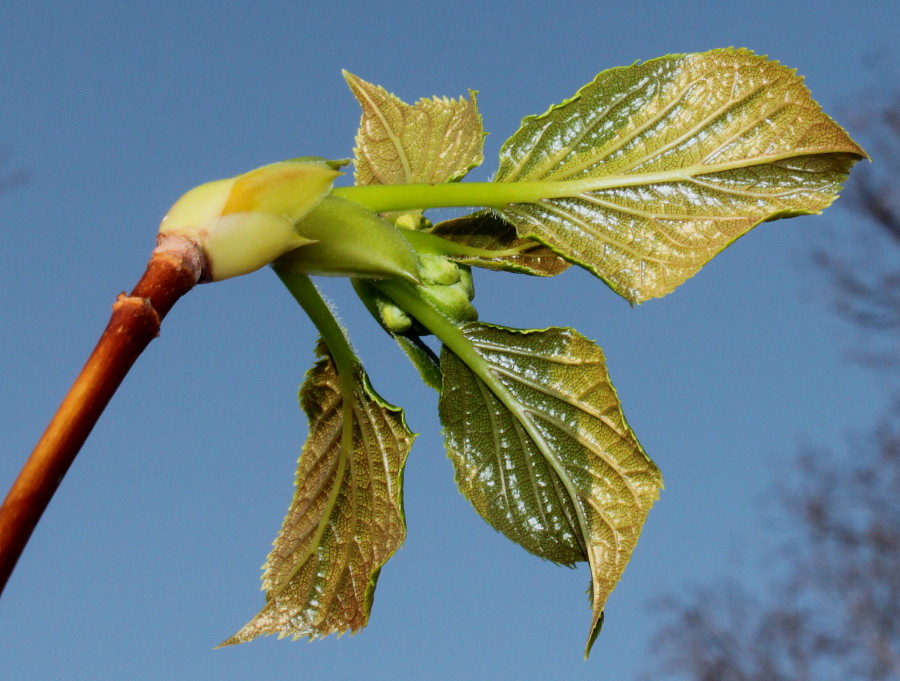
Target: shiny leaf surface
column 433, row 140
column 346, row 518
column 542, row 449
column 670, row 161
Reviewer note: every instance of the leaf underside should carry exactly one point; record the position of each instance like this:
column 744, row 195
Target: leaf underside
column 486, row 230
column 542, row 450
column 433, row 140
column 346, row 518
column 674, row 158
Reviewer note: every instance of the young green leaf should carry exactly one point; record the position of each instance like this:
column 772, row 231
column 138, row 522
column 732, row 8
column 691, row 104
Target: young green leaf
column 347, row 240
column 488, row 232
column 433, row 140
column 669, row 161
column 346, row 518
column 542, row 449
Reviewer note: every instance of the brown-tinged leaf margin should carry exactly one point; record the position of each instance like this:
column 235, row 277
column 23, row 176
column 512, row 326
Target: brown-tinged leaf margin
column 346, row 518
column 542, row 449
column 675, row 158
column 434, row 140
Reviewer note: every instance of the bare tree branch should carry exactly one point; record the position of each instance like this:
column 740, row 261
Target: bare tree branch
column 863, row 266
column 834, row 616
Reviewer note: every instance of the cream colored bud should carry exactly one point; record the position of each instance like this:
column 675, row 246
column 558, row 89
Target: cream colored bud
column 245, row 222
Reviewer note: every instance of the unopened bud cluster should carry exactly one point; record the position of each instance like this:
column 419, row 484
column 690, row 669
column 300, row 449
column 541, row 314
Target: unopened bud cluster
column 448, row 287
column 445, row 285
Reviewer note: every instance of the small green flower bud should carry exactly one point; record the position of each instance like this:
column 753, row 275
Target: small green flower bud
column 466, row 282
column 452, row 301
column 408, row 221
column 412, row 221
column 437, row 269
column 394, row 318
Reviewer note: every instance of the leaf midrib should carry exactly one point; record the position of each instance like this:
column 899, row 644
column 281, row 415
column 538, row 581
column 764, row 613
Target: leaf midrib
column 574, row 435
column 395, row 140
column 502, row 194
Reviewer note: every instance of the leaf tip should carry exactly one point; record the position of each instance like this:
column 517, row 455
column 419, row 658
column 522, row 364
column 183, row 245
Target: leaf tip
column 232, row 640
column 596, row 626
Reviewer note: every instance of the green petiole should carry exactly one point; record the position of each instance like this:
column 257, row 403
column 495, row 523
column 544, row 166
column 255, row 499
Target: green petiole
column 423, row 242
column 305, row 292
column 382, row 198
column 394, row 197
column 443, row 328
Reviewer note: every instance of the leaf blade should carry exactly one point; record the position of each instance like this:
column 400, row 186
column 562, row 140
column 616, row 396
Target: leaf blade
column 542, row 450
column 673, row 160
column 346, row 518
column 487, row 231
column 434, row 140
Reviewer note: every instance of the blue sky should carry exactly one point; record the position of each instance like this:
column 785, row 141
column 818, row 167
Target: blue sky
column 150, row 552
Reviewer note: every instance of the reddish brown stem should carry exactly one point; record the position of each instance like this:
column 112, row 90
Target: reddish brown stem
column 174, row 269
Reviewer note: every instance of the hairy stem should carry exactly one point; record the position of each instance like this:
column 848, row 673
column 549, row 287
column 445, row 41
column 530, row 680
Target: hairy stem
column 305, row 292
column 174, row 268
